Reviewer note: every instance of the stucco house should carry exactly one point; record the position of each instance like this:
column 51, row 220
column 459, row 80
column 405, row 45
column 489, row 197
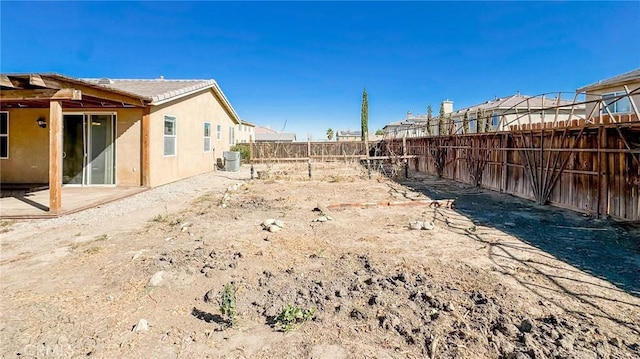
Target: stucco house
column 58, row 130
column 613, row 100
column 246, row 132
column 512, row 112
column 348, row 135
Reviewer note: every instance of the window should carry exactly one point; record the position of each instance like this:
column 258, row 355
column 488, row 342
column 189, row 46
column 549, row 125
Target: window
column 219, row 132
column 622, row 105
column 207, row 137
column 232, row 136
column 4, row 135
column 473, row 125
column 169, row 136
column 494, row 121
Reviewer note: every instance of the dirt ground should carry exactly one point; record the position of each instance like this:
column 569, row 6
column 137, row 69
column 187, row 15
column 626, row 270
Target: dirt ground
column 466, row 287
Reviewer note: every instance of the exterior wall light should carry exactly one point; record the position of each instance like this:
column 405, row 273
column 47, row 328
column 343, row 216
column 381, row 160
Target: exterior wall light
column 42, row 122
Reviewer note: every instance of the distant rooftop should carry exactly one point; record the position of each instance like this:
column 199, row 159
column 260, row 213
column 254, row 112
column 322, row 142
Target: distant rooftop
column 633, row 75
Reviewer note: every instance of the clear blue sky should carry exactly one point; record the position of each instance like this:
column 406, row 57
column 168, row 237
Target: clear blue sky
column 305, row 63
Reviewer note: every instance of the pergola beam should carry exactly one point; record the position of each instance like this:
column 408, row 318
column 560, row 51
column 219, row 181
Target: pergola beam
column 41, row 94
column 37, row 80
column 5, row 81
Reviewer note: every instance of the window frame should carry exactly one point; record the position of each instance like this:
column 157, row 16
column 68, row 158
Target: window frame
column 495, row 121
column 206, row 150
column 5, row 135
column 612, row 95
column 232, row 135
column 218, row 132
column 173, row 119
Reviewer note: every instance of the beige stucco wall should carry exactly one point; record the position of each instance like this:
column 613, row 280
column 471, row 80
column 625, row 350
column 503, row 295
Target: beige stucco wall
column 244, row 133
column 128, row 147
column 28, row 160
column 191, row 113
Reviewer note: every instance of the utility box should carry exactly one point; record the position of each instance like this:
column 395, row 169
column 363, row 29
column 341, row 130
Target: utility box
column 231, row 161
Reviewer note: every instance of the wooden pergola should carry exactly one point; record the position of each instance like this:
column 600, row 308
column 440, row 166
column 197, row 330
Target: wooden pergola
column 58, row 92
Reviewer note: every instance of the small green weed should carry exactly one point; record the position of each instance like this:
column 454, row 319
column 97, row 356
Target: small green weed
column 161, row 218
column 103, row 237
column 291, row 316
column 93, row 250
column 228, row 303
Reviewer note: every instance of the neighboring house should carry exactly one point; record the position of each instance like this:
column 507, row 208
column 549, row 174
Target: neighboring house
column 245, row 132
column 499, row 114
column 275, row 137
column 59, row 130
column 511, row 112
column 348, row 136
column 613, row 100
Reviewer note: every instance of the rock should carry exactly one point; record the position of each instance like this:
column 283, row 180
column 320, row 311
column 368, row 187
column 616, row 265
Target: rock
column 566, row 341
column 526, row 326
column 142, row 326
column 478, row 298
column 211, row 296
column 321, row 219
column 268, row 222
column 427, row 225
column 274, row 228
column 357, row 315
column 415, row 225
column 517, row 355
column 279, row 223
column 449, row 307
column 156, row 279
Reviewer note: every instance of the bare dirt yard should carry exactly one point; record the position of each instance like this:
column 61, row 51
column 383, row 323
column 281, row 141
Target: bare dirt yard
column 220, row 266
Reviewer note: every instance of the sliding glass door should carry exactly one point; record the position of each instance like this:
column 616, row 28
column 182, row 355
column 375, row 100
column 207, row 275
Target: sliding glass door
column 89, row 149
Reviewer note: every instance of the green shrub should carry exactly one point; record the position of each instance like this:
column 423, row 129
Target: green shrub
column 292, row 315
column 228, row 303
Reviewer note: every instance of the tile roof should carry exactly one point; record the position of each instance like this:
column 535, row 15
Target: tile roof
column 516, row 101
column 275, row 137
column 633, row 75
column 262, row 129
column 162, row 90
column 155, row 89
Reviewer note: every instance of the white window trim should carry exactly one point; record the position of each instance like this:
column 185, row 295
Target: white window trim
column 175, row 137
column 6, row 135
column 209, row 137
column 232, row 135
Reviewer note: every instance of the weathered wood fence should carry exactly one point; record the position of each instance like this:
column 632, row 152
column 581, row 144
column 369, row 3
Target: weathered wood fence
column 307, row 151
column 590, row 169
